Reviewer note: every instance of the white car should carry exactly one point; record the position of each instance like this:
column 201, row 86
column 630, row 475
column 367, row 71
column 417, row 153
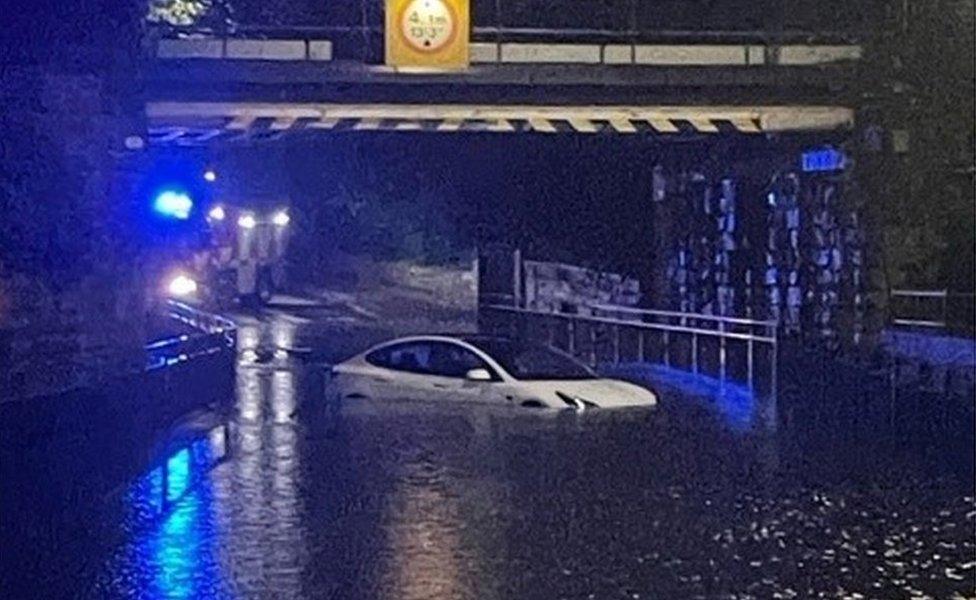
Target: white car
column 481, row 369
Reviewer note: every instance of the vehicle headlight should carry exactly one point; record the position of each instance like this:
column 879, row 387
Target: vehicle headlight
column 217, row 213
column 281, row 218
column 247, row 221
column 181, row 285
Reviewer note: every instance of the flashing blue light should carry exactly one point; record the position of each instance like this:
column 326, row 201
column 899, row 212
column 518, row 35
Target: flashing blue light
column 823, row 159
column 173, row 204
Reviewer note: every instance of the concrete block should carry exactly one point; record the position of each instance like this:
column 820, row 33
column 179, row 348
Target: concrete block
column 266, row 49
column 484, row 52
column 818, row 55
column 190, row 48
column 689, row 55
column 551, row 53
column 618, row 54
column 319, row 50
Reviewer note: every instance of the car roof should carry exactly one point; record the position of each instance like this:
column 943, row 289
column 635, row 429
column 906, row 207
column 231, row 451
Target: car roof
column 462, row 338
column 422, row 338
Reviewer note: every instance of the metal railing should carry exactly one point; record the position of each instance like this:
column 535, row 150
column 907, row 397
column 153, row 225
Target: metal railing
column 932, row 309
column 669, row 328
column 213, row 334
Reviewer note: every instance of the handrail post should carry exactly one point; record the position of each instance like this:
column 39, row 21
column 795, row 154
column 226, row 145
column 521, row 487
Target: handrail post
column 945, row 308
column 640, row 344
column 694, row 353
column 721, row 350
column 667, row 348
column 592, row 345
column 571, row 331
column 749, row 361
column 616, row 345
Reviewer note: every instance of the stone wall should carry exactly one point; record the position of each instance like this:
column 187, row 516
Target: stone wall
column 793, row 250
column 558, row 287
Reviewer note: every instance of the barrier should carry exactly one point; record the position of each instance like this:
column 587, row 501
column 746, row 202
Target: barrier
column 670, row 326
column 932, row 309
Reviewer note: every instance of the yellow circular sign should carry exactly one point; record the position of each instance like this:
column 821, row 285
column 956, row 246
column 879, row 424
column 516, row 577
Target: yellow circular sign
column 428, row 25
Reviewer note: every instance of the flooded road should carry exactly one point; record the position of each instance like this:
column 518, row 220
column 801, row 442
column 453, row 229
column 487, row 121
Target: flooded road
column 280, row 496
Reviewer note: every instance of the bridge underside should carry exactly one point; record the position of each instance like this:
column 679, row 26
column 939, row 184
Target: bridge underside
column 191, row 123
column 700, row 249
column 198, row 99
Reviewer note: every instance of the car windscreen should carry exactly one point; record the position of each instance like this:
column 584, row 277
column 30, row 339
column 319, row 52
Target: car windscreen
column 533, row 362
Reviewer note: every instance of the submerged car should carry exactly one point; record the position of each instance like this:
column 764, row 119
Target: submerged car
column 481, row 369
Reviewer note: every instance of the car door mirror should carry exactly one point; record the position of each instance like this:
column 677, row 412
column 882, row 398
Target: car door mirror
column 478, row 375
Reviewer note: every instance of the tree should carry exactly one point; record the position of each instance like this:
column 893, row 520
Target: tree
column 211, row 14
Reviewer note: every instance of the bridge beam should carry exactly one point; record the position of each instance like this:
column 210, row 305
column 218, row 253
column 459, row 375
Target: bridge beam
column 196, row 119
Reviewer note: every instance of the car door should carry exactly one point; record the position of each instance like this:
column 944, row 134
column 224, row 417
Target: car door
column 450, row 363
column 402, row 371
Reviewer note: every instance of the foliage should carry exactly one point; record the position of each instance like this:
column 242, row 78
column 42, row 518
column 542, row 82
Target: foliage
column 179, row 13
column 928, row 222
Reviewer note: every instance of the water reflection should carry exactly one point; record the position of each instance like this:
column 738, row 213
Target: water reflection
column 189, row 507
column 266, row 342
column 406, row 500
column 735, row 404
column 423, row 539
column 259, row 502
column 173, row 553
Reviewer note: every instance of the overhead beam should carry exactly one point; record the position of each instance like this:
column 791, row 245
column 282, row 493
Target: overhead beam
column 748, row 119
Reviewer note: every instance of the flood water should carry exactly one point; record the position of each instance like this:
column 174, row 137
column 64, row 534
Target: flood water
column 278, row 496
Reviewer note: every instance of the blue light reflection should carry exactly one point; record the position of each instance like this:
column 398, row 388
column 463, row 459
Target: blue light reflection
column 733, row 402
column 173, row 504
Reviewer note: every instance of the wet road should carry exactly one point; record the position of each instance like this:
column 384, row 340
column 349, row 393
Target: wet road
column 278, row 497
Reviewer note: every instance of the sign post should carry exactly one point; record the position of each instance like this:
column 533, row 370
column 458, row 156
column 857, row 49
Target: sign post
column 428, row 34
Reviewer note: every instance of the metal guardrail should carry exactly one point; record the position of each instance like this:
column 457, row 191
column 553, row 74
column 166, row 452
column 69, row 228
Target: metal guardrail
column 932, row 309
column 671, row 326
column 214, row 334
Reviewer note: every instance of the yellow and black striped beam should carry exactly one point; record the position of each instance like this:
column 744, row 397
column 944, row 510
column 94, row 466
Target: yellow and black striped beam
column 203, row 122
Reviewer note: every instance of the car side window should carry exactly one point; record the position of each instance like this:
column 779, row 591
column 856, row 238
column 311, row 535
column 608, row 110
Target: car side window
column 452, row 360
column 413, row 357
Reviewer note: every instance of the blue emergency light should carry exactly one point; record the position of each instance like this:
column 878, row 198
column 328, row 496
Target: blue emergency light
column 174, row 204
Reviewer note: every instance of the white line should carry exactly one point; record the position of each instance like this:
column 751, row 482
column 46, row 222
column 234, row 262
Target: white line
column 324, row 124
column 705, row 125
column 368, row 124
column 623, row 126
column 501, row 125
column 283, row 124
column 663, row 125
column 583, row 125
column 542, row 125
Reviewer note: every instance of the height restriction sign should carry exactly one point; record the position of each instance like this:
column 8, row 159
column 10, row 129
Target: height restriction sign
column 427, row 33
